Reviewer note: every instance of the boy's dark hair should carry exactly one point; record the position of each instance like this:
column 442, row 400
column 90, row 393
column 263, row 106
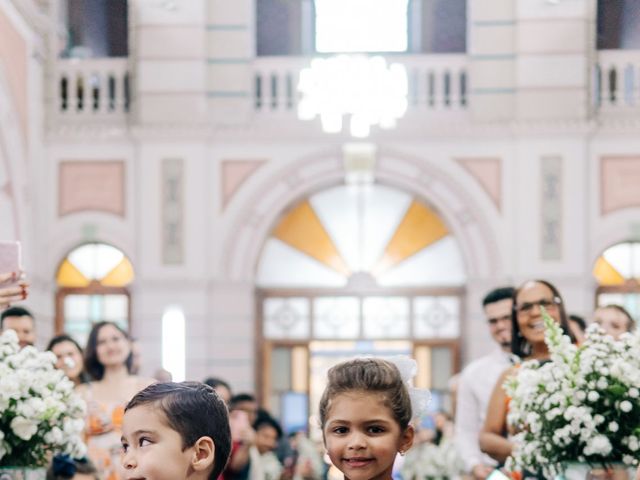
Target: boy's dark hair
column 91, row 363
column 214, row 382
column 194, row 410
column 264, row 418
column 14, row 312
column 582, row 324
column 498, row 294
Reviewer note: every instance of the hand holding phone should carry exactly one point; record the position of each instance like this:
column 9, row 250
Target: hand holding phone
column 13, row 288
column 240, row 427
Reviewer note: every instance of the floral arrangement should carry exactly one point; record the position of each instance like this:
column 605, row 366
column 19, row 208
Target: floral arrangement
column 40, row 414
column 582, row 406
column 430, row 461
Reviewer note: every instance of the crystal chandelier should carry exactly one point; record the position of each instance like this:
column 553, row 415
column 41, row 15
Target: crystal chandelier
column 359, row 87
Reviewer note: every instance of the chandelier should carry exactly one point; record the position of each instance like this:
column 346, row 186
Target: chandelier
column 360, row 88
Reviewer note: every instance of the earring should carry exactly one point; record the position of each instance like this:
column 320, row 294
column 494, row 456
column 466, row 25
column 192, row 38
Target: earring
column 402, row 452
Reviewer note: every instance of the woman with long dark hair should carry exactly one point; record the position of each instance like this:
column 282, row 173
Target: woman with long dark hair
column 108, row 360
column 527, row 343
column 70, row 357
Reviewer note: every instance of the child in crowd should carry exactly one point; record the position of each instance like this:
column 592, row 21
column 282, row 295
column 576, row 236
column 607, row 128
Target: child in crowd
column 175, row 431
column 365, row 412
column 63, row 467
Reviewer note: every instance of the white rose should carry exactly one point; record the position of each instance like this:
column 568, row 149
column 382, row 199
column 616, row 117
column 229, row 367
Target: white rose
column 626, row 406
column 593, row 396
column 634, row 393
column 24, row 428
column 613, row 427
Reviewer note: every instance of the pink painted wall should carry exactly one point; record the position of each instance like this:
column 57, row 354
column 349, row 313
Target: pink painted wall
column 13, row 55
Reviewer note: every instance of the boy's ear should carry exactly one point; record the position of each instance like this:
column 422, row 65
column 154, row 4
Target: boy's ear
column 204, row 451
column 406, row 439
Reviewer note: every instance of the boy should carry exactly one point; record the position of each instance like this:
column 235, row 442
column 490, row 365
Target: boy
column 175, row 431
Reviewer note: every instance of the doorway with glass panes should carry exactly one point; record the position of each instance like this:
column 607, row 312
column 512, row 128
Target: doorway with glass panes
column 349, row 271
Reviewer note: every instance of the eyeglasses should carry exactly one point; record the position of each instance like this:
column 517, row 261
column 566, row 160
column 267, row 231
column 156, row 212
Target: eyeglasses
column 527, row 307
column 496, row 320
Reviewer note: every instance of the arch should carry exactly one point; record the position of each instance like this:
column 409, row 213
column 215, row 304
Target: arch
column 93, row 282
column 254, row 220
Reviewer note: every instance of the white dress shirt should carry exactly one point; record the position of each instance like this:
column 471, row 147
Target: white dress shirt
column 475, row 386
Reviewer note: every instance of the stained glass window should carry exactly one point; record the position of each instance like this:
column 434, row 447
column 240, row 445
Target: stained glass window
column 95, row 262
column 392, row 237
column 336, row 317
column 286, row 318
column 92, row 283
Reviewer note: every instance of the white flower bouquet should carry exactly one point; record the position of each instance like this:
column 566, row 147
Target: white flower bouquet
column 582, row 406
column 40, row 414
column 430, row 461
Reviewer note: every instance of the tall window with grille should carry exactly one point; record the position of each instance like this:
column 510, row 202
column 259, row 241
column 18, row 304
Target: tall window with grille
column 93, row 283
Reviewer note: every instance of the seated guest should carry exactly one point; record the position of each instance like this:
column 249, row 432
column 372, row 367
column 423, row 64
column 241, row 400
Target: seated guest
column 264, row 462
column 243, row 409
column 70, row 357
column 614, row 320
column 108, row 361
column 222, row 388
column 21, row 320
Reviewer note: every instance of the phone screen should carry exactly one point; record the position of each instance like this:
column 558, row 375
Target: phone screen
column 10, row 259
column 497, row 475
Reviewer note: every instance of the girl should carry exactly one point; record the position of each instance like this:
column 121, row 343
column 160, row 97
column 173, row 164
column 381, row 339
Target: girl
column 108, row 360
column 614, row 320
column 365, row 412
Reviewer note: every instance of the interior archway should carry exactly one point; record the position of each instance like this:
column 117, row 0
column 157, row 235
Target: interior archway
column 356, row 270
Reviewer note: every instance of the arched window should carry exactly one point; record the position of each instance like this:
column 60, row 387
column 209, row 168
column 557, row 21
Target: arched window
column 617, row 271
column 92, row 286
column 356, row 270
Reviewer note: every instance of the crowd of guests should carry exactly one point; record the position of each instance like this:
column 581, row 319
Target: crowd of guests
column 105, row 373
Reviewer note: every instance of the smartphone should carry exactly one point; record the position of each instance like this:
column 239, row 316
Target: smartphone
column 497, row 475
column 10, row 260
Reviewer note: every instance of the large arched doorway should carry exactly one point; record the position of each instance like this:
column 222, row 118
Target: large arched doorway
column 92, row 284
column 617, row 271
column 355, row 270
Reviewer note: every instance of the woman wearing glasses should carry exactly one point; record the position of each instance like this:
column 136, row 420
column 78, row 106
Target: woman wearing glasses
column 527, row 342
